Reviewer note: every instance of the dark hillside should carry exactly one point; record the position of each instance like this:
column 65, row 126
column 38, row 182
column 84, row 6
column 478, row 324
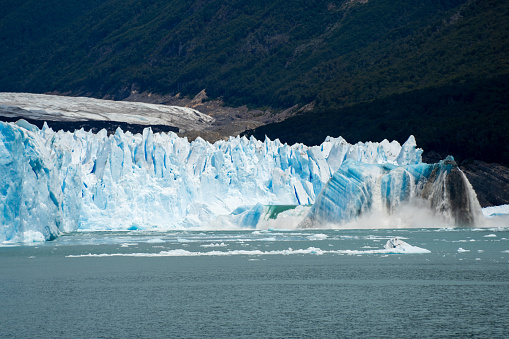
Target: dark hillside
column 261, row 53
column 470, row 121
column 372, row 69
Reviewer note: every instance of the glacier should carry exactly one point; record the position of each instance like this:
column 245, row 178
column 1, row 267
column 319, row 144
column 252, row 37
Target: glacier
column 77, row 109
column 358, row 189
column 54, row 182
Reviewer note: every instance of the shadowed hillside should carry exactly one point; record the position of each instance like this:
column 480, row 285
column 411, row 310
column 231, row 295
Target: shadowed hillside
column 367, row 70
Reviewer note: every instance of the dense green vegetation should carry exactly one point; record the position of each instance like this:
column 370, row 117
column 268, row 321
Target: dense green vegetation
column 375, row 69
column 469, row 121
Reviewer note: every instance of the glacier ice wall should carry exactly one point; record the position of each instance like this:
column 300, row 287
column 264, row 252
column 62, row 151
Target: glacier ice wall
column 359, row 189
column 450, row 195
column 54, row 182
column 31, row 192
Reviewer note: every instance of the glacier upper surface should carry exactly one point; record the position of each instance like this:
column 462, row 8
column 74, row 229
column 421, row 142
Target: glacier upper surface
column 53, row 182
column 63, row 108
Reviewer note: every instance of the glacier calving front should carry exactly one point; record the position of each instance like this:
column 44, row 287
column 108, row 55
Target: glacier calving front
column 52, row 182
column 418, row 195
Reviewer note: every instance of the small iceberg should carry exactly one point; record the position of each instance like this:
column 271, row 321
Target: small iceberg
column 396, row 245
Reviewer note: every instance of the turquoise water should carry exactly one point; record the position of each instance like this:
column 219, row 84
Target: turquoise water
column 261, row 284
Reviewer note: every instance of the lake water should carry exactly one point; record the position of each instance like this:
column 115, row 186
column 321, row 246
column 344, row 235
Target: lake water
column 258, row 284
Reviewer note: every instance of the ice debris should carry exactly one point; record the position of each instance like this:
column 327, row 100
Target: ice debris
column 358, row 188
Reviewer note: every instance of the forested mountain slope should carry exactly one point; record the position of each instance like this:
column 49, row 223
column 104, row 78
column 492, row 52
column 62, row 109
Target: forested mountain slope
column 371, row 69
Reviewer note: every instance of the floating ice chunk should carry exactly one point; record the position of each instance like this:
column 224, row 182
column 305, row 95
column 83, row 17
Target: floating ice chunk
column 33, row 237
column 128, row 244
column 214, row 245
column 185, row 253
column 155, row 241
column 400, row 247
column 396, row 245
column 318, row 236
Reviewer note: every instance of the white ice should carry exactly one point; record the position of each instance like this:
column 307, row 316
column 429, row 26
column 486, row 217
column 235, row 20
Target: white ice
column 402, row 249
column 64, row 108
column 53, row 182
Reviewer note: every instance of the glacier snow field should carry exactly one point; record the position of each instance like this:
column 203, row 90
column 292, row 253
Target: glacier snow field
column 445, row 282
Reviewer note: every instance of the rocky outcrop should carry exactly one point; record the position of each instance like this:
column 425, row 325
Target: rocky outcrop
column 490, row 182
